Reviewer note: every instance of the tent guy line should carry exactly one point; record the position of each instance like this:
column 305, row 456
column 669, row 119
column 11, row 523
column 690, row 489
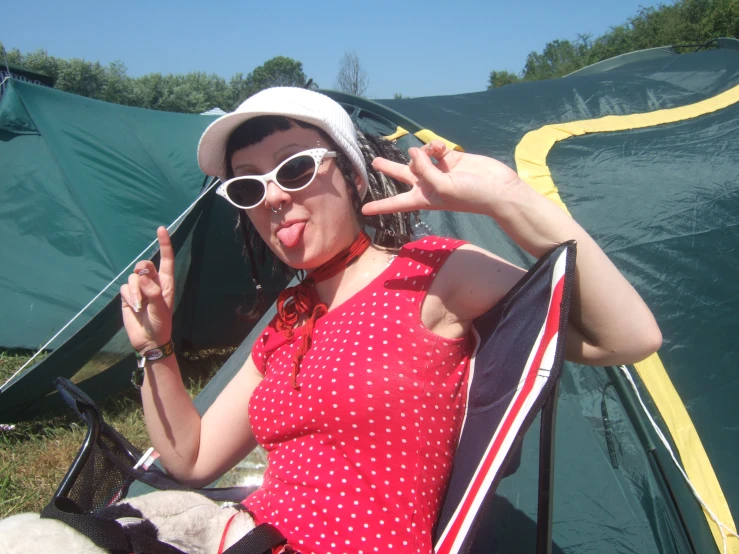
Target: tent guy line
column 111, row 283
column 724, row 529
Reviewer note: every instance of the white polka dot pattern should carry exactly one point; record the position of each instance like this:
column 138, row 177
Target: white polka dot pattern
column 360, row 455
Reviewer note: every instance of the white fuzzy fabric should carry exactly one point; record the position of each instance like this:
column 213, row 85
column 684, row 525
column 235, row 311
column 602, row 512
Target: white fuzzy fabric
column 189, row 521
column 186, row 520
column 27, row 533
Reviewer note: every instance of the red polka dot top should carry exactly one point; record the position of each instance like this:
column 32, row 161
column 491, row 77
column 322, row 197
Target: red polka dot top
column 360, row 455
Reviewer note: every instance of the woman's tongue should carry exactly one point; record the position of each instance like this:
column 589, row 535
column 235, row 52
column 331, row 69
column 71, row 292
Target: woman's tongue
column 290, row 235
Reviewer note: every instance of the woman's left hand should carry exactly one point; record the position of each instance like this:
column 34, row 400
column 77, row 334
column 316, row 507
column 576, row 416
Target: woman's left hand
column 458, row 182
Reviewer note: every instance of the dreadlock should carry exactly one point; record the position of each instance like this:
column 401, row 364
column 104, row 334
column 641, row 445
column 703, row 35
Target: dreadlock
column 391, row 230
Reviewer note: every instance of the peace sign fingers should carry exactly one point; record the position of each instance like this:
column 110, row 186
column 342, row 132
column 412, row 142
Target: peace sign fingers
column 423, row 178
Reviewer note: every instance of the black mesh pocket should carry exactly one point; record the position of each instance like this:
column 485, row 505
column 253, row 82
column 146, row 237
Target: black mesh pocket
column 101, row 482
column 103, row 471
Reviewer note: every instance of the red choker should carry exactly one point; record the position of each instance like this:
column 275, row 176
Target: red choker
column 305, row 300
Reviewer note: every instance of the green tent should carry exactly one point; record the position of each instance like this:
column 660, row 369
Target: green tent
column 23, row 74
column 84, row 186
column 641, row 150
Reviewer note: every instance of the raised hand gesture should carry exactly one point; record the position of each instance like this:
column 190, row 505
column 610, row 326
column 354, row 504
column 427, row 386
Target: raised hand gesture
column 458, row 182
column 148, row 298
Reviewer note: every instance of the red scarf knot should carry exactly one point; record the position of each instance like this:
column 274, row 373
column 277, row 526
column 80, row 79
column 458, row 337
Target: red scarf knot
column 305, row 300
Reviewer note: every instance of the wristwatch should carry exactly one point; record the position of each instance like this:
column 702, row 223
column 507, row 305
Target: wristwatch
column 163, row 351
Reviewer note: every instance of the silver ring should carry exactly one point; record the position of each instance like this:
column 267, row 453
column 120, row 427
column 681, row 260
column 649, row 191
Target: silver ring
column 277, row 210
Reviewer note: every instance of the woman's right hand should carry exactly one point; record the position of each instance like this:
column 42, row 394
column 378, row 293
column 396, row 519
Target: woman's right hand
column 148, row 299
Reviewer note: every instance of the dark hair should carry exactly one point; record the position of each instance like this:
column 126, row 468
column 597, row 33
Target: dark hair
column 391, row 230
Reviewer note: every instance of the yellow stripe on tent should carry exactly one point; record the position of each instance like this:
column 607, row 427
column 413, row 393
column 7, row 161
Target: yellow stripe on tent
column 531, row 162
column 400, row 132
column 425, row 136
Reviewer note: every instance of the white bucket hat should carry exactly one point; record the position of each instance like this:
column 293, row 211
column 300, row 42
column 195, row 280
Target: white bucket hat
column 296, row 103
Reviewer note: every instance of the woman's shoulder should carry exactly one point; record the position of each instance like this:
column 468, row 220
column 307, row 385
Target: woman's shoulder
column 419, row 261
column 429, row 252
column 433, row 243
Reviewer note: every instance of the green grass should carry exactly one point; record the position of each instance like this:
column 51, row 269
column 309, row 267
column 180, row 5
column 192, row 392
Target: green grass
column 35, row 455
column 12, row 360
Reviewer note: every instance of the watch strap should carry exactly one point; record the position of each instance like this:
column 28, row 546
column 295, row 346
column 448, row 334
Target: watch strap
column 163, row 351
column 157, row 353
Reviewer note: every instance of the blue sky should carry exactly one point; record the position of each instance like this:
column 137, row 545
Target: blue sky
column 414, row 48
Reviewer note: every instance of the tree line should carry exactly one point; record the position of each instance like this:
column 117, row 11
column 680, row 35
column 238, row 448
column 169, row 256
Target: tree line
column 194, row 92
column 683, row 22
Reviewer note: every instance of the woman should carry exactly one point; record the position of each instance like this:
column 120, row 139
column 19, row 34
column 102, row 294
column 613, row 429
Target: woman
column 355, row 388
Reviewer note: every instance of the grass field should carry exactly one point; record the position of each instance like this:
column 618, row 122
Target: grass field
column 35, row 455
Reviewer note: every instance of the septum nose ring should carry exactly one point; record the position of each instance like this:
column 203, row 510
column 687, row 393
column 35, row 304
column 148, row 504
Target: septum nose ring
column 277, row 210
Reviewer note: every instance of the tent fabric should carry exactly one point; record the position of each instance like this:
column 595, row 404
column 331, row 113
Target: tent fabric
column 82, row 182
column 531, row 154
column 684, row 250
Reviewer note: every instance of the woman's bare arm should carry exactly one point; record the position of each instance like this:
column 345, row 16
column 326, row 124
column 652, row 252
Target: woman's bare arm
column 610, row 323
column 195, row 451
column 198, row 450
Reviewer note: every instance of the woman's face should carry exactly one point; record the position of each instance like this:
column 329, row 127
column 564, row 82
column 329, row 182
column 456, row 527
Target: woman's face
column 315, row 223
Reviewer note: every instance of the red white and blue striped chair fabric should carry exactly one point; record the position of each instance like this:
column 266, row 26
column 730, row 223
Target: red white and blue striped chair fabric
column 518, row 360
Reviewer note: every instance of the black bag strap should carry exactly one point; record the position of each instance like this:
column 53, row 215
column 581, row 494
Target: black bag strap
column 259, row 540
column 109, row 534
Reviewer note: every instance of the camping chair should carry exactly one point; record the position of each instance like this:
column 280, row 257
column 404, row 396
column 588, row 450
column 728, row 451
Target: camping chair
column 505, row 393
column 101, row 474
